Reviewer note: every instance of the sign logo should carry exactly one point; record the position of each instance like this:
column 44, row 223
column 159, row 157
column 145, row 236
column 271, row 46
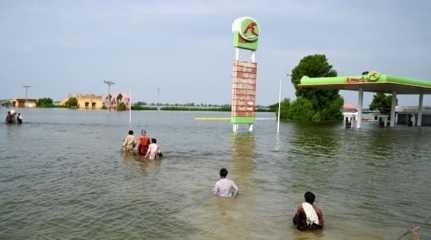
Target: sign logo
column 249, row 30
column 246, row 33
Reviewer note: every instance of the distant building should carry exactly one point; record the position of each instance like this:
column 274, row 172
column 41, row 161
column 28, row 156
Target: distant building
column 88, row 101
column 408, row 115
column 24, row 102
column 112, row 102
column 350, row 115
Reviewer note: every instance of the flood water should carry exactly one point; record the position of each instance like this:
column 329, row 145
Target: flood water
column 63, row 176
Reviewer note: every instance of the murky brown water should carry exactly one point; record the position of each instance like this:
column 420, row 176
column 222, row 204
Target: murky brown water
column 62, row 176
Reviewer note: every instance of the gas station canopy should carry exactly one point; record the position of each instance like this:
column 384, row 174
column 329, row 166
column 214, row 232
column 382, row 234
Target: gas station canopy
column 369, row 82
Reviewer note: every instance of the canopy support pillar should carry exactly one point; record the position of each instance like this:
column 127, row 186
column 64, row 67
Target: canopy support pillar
column 394, row 102
column 360, row 101
column 235, row 128
column 421, row 99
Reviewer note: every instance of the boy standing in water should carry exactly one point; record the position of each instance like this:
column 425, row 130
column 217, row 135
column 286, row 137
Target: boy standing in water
column 129, row 142
column 19, row 118
column 144, row 142
column 225, row 187
column 153, row 150
column 308, row 216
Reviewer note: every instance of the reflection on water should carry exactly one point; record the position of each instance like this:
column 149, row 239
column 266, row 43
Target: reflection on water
column 62, row 176
column 243, row 159
column 318, row 141
column 315, row 162
column 133, row 160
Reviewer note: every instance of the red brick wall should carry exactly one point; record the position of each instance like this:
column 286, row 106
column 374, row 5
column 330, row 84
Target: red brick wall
column 244, row 89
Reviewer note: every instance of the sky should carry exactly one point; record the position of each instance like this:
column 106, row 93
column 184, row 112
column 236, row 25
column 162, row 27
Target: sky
column 184, row 48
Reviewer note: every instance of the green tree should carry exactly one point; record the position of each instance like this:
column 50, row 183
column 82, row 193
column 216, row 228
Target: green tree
column 45, row 102
column 316, row 105
column 382, row 103
column 300, row 110
column 122, row 107
column 72, row 102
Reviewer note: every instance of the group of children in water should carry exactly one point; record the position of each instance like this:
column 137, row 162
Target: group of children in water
column 307, row 216
column 12, row 117
column 146, row 146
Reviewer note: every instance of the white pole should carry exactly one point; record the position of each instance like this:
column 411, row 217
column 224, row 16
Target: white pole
column 158, row 99
column 421, row 99
column 130, row 108
column 360, row 101
column 235, row 127
column 394, row 102
column 279, row 108
column 250, row 127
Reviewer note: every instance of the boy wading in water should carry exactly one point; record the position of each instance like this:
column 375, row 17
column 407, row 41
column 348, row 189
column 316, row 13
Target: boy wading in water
column 129, row 142
column 144, row 142
column 153, row 151
column 225, row 187
column 308, row 216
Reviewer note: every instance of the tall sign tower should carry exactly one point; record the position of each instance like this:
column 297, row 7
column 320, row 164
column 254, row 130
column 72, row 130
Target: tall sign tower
column 245, row 36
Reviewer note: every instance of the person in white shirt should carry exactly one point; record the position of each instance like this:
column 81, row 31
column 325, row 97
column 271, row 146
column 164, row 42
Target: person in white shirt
column 153, row 151
column 129, row 142
column 308, row 216
column 225, row 187
column 19, row 118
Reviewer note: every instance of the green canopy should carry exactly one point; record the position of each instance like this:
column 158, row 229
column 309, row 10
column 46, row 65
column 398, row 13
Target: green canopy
column 370, row 82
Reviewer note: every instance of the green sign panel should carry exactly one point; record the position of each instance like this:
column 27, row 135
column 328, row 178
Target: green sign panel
column 245, row 33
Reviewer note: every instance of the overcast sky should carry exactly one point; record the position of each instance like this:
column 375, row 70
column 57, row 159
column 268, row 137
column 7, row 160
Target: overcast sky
column 185, row 47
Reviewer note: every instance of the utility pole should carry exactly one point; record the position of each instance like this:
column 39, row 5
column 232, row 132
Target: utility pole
column 26, row 90
column 109, row 83
column 279, row 105
column 158, row 99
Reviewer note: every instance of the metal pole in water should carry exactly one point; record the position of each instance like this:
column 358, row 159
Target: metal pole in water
column 279, row 105
column 130, row 108
column 158, row 99
column 279, row 108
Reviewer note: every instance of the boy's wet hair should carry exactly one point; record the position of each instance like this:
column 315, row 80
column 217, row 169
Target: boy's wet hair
column 130, row 132
column 223, row 172
column 309, row 197
column 153, row 140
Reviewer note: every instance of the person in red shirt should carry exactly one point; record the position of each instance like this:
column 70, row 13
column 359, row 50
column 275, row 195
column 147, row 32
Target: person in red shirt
column 143, row 143
column 308, row 216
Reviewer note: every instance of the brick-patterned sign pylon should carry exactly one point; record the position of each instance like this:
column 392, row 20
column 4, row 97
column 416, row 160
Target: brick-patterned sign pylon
column 243, row 94
column 246, row 32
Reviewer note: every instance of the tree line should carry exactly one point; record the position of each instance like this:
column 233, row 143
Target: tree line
column 319, row 105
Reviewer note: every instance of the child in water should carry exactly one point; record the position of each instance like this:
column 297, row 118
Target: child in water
column 225, row 187
column 308, row 216
column 153, row 151
column 129, row 142
column 19, row 118
column 144, row 142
